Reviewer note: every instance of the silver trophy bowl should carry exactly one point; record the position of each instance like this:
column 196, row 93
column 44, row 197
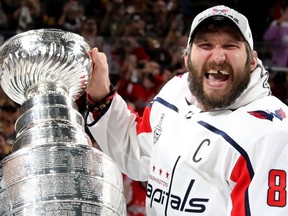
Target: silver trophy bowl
column 53, row 170
column 44, row 56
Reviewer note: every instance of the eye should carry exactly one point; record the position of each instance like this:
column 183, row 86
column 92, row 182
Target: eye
column 206, row 46
column 230, row 46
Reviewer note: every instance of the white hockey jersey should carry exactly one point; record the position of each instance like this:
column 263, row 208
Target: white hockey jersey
column 223, row 162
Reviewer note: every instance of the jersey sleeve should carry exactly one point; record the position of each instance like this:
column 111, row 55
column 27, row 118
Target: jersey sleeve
column 125, row 137
column 128, row 138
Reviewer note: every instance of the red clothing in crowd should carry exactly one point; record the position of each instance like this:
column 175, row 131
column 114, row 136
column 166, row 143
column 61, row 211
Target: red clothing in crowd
column 135, row 197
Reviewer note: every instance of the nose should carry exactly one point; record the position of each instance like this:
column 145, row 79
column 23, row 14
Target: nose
column 218, row 55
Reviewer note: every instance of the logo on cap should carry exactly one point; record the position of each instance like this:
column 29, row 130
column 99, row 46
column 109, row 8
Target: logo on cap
column 220, row 10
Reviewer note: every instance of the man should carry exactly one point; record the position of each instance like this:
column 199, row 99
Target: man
column 214, row 140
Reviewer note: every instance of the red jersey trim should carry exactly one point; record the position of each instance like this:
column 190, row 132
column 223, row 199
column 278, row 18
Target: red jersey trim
column 143, row 123
column 239, row 195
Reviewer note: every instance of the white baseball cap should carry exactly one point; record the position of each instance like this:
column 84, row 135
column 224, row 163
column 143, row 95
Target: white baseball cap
column 220, row 12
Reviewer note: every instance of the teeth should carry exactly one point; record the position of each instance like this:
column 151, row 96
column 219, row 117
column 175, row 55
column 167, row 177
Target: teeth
column 224, row 72
column 219, row 71
column 212, row 72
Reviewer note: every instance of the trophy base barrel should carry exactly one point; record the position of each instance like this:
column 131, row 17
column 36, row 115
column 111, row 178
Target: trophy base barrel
column 65, row 208
column 61, row 179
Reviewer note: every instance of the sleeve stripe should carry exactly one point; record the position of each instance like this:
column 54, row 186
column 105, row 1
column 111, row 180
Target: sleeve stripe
column 143, row 123
column 166, row 104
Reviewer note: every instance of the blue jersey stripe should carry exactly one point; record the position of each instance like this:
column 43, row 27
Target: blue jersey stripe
column 166, row 104
column 232, row 142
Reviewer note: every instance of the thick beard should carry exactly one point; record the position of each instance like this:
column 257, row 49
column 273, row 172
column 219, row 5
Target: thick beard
column 195, row 80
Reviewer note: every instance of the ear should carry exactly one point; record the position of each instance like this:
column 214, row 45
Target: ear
column 254, row 61
column 185, row 56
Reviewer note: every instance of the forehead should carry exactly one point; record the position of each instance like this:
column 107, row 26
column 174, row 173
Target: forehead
column 223, row 26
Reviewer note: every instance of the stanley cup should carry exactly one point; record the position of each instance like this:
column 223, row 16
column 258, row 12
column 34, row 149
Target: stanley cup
column 53, row 170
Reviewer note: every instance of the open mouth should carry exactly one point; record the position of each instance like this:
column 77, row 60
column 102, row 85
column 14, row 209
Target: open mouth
column 217, row 75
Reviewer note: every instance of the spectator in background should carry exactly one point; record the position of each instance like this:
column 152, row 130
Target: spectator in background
column 96, row 9
column 3, row 18
column 28, row 15
column 52, row 11
column 275, row 10
column 175, row 47
column 9, row 113
column 173, row 7
column 277, row 35
column 135, row 26
column 89, row 30
column 113, row 23
column 136, row 6
column 72, row 16
column 3, row 24
column 157, row 20
column 9, row 8
column 141, row 84
column 5, row 147
column 278, row 84
column 130, row 54
column 4, row 99
column 130, row 45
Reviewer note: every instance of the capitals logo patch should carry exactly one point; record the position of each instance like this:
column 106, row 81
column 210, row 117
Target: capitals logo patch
column 280, row 114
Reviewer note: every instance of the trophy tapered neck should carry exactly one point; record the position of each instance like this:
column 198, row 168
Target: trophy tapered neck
column 46, row 88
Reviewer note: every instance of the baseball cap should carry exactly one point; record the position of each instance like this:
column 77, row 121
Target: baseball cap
column 221, row 12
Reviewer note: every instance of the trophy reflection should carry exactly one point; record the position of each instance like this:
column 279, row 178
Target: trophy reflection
column 53, row 170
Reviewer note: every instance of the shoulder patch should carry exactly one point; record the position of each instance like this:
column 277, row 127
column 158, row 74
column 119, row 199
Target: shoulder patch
column 268, row 115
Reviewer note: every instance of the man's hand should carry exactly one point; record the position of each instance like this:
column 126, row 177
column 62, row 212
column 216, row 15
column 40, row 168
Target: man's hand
column 99, row 83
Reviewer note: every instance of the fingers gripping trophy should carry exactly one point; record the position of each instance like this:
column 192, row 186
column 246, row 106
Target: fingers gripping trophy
column 53, row 170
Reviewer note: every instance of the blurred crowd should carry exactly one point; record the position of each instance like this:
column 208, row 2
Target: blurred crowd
column 143, row 41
